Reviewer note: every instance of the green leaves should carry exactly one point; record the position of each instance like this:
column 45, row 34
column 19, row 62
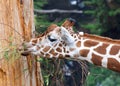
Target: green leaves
column 93, row 27
column 102, row 76
column 114, row 12
column 39, row 3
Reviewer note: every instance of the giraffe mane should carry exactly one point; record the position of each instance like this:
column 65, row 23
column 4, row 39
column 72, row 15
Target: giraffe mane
column 103, row 39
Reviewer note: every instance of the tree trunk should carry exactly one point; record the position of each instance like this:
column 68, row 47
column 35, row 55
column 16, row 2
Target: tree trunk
column 16, row 25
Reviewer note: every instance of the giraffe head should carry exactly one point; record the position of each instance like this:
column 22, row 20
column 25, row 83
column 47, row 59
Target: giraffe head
column 53, row 42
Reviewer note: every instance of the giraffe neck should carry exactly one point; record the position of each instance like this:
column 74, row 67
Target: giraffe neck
column 98, row 50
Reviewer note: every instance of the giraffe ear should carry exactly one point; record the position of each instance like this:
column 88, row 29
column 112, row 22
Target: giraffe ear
column 69, row 23
column 66, row 36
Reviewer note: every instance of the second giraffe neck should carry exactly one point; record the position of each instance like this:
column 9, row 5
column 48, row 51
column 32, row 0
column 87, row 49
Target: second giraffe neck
column 98, row 50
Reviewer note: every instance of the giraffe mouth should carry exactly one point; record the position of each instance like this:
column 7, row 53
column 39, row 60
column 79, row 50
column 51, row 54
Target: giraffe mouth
column 24, row 50
column 25, row 53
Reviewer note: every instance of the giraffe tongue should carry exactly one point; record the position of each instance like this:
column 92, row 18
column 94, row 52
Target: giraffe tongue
column 25, row 53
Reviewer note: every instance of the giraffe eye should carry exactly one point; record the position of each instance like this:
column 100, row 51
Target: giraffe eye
column 51, row 39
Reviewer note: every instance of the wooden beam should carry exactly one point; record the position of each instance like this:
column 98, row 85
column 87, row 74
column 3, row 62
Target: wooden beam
column 57, row 11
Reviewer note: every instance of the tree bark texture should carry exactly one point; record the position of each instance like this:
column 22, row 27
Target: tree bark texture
column 16, row 25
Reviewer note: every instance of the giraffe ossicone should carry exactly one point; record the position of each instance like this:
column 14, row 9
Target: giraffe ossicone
column 62, row 42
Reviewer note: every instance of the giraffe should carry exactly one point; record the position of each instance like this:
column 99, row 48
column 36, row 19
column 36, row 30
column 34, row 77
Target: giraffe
column 68, row 24
column 63, row 42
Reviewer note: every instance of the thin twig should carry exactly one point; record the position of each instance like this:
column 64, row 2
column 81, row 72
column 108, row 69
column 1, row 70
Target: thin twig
column 12, row 28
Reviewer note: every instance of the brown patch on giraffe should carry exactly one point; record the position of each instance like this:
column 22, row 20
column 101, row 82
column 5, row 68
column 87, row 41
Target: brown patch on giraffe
column 60, row 56
column 74, row 36
column 33, row 44
column 113, row 64
column 76, row 39
column 60, row 45
column 59, row 50
column 46, row 48
column 55, row 45
column 47, row 55
column 90, row 43
column 64, row 50
column 97, row 60
column 67, row 51
column 72, row 49
column 76, row 55
column 38, row 47
column 78, row 44
column 52, row 51
column 34, row 41
column 40, row 38
column 63, row 43
column 115, row 50
column 84, row 52
column 42, row 53
column 102, row 49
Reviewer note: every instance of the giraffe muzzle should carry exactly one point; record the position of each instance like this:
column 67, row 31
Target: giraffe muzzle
column 25, row 51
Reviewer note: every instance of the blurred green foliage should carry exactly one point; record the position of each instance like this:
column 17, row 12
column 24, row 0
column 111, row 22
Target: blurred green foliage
column 100, row 12
column 38, row 4
column 102, row 77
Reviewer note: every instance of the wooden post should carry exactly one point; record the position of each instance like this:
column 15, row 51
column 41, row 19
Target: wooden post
column 16, row 25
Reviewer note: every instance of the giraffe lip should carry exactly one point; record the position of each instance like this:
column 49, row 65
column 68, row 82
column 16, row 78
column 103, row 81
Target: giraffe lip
column 25, row 53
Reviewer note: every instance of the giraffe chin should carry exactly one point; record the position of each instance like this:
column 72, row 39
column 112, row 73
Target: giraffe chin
column 25, row 53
